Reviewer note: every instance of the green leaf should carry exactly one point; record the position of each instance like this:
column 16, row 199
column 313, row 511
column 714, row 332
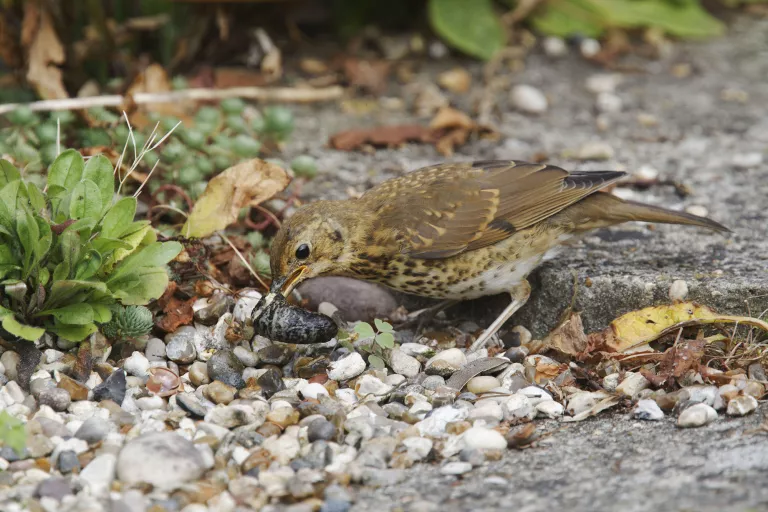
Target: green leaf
column 119, row 218
column 81, row 225
column 73, row 332
column 9, row 194
column 569, row 18
column 683, row 18
column 71, row 291
column 36, row 198
column 12, row 433
column 61, row 272
column 135, row 240
column 101, row 313
column 88, row 266
column 376, row 362
column 26, row 332
column 86, row 201
column 470, row 26
column 74, row 314
column 66, row 170
column 385, row 340
column 99, row 170
column 29, row 236
column 69, row 242
column 382, row 326
column 8, row 172
column 156, row 254
column 5, row 312
column 140, row 286
column 7, row 256
column 364, row 330
column 107, row 245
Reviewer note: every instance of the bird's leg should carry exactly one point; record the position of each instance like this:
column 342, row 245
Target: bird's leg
column 519, row 297
column 422, row 318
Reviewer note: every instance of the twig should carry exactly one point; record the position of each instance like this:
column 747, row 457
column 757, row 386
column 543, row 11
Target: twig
column 275, row 94
column 243, row 260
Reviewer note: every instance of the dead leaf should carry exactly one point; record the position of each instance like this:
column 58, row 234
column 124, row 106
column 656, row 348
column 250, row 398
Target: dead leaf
column 225, row 78
column 448, row 118
column 381, row 136
column 639, row 328
column 10, row 52
column 45, row 53
column 368, row 75
column 154, row 79
column 452, row 128
column 523, row 437
column 246, row 184
column 177, row 313
column 677, row 361
column 568, row 337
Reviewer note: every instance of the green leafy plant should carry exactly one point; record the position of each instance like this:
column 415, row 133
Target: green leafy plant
column 383, row 339
column 12, row 433
column 70, row 251
column 128, row 322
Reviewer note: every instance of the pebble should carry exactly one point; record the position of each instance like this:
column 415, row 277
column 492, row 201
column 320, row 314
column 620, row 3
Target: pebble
column 246, row 357
column 632, row 384
column 555, row 46
column 10, row 361
column 608, row 103
column 696, row 415
column 611, row 382
column 603, row 82
column 446, row 362
column 113, row 388
column 93, row 430
column 697, row 209
column 274, row 354
column 56, row 398
column 137, row 365
column 347, row 367
column 245, row 305
column 678, row 290
column 404, row 364
column 647, row 410
column 518, row 407
column 482, row 384
column 54, row 487
column 74, row 389
column 370, row 385
column 100, row 472
column 198, row 373
column 37, row 386
column 321, row 430
column 457, row 80
column 741, row 405
column 219, row 393
column 355, row 300
column 550, row 409
column 589, row 47
column 480, row 438
column 191, row 404
column 747, row 160
column 155, row 350
column 456, row 468
column 595, row 150
column 314, row 390
column 529, row 99
column 584, row 401
column 163, row 459
column 224, row 366
column 181, row 349
column 417, row 448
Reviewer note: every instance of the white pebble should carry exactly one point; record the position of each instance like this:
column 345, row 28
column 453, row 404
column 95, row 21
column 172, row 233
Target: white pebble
column 529, row 99
column 314, row 390
column 696, row 416
column 646, row 173
column 370, row 385
column 608, row 103
column 741, row 405
column 136, row 365
column 632, row 384
column 489, row 411
column 404, row 364
column 482, row 384
column 555, row 46
column 678, row 290
column 610, row 382
column 699, row 210
column 589, row 47
column 583, row 401
column 595, row 150
column 453, row 357
column 518, row 407
column 417, row 447
column 480, row 438
column 647, row 410
column 747, row 160
column 603, row 82
column 535, row 395
column 347, row 367
column 550, row 409
column 456, row 468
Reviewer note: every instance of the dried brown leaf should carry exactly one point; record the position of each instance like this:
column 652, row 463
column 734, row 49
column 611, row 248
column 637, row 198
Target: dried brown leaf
column 246, row 184
column 568, row 337
column 45, row 53
column 154, row 79
column 177, row 313
column 369, row 75
column 381, row 136
column 677, row 361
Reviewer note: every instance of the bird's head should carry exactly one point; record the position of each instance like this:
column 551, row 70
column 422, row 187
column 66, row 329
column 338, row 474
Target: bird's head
column 311, row 243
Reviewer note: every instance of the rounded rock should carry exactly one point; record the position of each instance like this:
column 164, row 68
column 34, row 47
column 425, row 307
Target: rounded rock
column 741, row 405
column 678, row 290
column 696, row 415
column 529, row 99
column 456, row 468
column 56, row 398
column 224, row 366
column 314, row 390
column 163, row 459
column 480, row 438
column 347, row 367
column 321, row 430
column 180, row 349
column 647, row 410
column 403, row 364
column 482, row 384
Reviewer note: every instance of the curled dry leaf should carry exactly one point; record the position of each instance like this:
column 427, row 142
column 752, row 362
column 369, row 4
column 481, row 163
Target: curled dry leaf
column 163, row 382
column 177, row 313
column 639, row 328
column 246, row 184
column 568, row 337
column 45, row 53
column 600, row 406
column 381, row 136
column 154, row 79
column 677, row 361
column 523, row 437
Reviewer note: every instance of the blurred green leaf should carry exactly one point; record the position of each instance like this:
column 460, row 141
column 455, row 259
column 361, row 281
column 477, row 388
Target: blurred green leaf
column 385, row 340
column 364, row 330
column 470, row 26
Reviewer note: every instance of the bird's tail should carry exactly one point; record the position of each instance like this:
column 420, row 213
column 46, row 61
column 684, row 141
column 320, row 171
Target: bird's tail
column 602, row 209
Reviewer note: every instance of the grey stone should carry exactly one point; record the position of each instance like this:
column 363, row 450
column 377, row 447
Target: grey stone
column 227, row 368
column 181, row 349
column 163, row 459
column 355, row 300
column 54, row 487
column 93, row 430
column 67, row 462
column 113, row 388
column 155, row 350
column 56, row 398
column 321, row 429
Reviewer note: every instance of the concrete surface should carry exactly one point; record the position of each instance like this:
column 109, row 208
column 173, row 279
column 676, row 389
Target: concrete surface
column 612, row 463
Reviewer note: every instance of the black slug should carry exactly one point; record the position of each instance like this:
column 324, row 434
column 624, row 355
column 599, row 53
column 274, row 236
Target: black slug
column 277, row 320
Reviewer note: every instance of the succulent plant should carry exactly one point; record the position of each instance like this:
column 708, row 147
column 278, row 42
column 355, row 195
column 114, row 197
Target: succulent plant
column 128, row 322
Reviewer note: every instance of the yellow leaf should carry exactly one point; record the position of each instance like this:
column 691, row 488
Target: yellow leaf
column 248, row 183
column 646, row 325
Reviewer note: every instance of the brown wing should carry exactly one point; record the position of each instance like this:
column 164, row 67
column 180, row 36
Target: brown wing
column 443, row 210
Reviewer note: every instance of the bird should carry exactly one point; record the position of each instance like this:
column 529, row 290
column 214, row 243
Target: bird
column 457, row 231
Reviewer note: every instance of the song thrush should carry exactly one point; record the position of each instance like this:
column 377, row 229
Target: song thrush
column 456, row 231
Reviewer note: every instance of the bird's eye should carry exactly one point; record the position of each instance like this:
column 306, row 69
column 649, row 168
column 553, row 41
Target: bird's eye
column 302, row 252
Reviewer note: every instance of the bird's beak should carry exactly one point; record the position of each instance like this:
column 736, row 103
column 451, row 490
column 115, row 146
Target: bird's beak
column 285, row 285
